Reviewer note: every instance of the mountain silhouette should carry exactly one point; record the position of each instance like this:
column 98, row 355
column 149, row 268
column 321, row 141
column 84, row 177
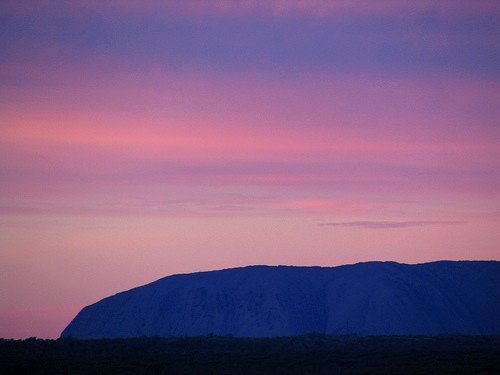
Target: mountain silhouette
column 372, row 298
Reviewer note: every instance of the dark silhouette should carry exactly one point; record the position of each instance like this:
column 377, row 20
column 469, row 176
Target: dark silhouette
column 308, row 354
column 374, row 298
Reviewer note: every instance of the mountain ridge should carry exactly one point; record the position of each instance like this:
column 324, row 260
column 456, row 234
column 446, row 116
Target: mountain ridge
column 377, row 297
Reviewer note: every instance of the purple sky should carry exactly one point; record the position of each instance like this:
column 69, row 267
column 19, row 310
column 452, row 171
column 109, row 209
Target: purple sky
column 140, row 139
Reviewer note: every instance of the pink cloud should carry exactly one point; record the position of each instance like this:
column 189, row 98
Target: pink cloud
column 390, row 224
column 337, row 206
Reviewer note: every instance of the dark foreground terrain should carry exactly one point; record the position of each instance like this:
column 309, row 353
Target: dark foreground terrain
column 312, row 353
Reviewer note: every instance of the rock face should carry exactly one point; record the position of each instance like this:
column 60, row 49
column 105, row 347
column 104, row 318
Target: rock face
column 374, row 298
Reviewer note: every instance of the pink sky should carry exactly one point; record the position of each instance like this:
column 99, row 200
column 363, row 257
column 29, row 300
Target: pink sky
column 135, row 145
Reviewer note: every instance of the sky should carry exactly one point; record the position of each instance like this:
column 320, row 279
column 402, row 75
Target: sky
column 140, row 139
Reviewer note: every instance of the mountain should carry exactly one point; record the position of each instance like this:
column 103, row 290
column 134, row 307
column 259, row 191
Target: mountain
column 373, row 298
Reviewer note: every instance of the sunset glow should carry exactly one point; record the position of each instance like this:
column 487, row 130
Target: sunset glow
column 142, row 139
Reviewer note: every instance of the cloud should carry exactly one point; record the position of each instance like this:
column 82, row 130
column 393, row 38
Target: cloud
column 274, row 8
column 259, row 36
column 389, row 224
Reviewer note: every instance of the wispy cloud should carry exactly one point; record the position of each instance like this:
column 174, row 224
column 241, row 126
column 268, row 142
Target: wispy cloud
column 389, row 224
